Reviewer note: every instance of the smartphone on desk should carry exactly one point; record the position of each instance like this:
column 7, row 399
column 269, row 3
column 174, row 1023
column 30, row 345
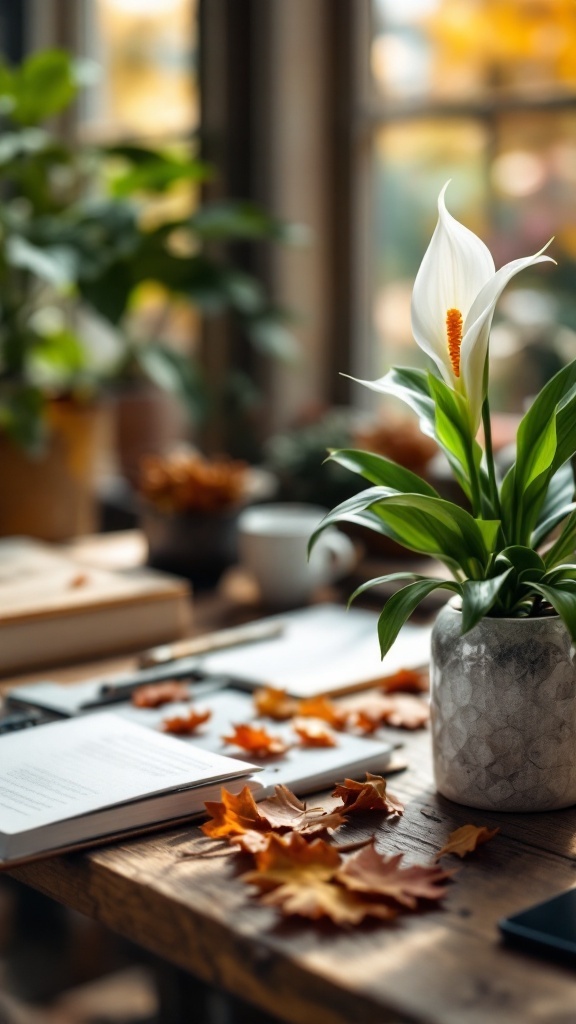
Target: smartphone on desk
column 547, row 928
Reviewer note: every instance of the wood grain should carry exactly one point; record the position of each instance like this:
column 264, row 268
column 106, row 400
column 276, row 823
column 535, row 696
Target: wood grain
column 446, row 966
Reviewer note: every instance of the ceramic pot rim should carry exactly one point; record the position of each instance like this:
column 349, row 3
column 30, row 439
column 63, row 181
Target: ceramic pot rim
column 450, row 605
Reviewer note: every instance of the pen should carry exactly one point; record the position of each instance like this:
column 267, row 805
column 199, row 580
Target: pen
column 249, row 633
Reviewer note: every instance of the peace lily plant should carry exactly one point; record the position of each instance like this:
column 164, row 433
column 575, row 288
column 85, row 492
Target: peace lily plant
column 500, row 557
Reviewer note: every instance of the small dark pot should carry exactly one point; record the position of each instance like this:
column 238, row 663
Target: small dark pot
column 198, row 547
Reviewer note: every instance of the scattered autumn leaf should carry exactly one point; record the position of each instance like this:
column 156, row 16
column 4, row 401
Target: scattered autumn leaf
column 467, row 839
column 285, row 811
column 272, row 703
column 406, row 680
column 251, row 841
column 299, row 877
column 182, row 725
column 238, row 814
column 370, row 872
column 154, row 694
column 366, row 711
column 313, row 732
column 256, row 740
column 235, row 814
column 370, row 795
column 324, row 708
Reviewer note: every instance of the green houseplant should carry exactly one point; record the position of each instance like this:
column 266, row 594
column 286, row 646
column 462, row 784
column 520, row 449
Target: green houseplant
column 75, row 248
column 501, row 650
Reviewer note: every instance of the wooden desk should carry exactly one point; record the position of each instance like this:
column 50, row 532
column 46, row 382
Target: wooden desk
column 445, row 966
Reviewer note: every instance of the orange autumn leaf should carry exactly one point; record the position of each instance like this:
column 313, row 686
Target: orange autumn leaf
column 467, row 839
column 256, row 740
column 313, row 732
column 155, row 694
column 183, row 725
column 369, row 795
column 405, row 711
column 370, row 872
column 251, row 841
column 406, row 680
column 235, row 814
column 286, row 812
column 324, row 708
column 238, row 814
column 272, row 703
column 299, row 878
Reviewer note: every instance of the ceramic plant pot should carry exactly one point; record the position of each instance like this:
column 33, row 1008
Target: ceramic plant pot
column 504, row 713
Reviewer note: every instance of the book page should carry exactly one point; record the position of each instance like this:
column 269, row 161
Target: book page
column 71, row 768
column 323, row 649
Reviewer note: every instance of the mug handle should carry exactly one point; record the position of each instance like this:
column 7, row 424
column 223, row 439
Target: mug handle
column 342, row 551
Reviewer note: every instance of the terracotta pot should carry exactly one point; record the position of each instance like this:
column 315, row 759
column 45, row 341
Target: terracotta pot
column 504, row 712
column 52, row 497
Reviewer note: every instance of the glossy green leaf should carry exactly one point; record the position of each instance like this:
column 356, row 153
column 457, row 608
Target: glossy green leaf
column 400, row 606
column 391, row 577
column 411, row 387
column 382, row 471
column 478, row 598
column 565, row 545
column 557, row 504
column 453, row 433
column 562, row 597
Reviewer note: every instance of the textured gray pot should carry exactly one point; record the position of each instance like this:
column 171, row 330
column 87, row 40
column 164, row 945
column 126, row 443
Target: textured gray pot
column 504, row 713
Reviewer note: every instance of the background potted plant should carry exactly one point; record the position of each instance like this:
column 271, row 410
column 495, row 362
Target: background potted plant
column 77, row 243
column 502, row 676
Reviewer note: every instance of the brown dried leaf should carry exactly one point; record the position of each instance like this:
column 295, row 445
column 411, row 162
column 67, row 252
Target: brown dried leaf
column 251, row 841
column 406, row 680
column 256, row 740
column 272, row 703
column 299, row 878
column 235, row 814
column 406, row 712
column 238, row 814
column 184, row 725
column 367, row 711
column 369, row 872
column 467, row 839
column 313, row 732
column 367, row 796
column 286, row 812
column 155, row 694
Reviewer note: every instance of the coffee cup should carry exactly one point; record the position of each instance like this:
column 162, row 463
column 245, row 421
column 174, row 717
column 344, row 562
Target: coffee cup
column 273, row 547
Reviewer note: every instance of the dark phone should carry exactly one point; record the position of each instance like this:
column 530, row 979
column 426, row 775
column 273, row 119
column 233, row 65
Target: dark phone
column 548, row 928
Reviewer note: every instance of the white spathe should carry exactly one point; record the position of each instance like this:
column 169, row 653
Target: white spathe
column 458, row 273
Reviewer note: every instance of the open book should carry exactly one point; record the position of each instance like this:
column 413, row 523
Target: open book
column 71, row 783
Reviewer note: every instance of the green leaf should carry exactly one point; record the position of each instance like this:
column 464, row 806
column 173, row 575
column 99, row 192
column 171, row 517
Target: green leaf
column 54, row 265
column 380, row 470
column 391, row 577
column 232, row 219
column 400, row 606
column 177, row 374
column 478, row 597
column 453, row 433
column 558, row 503
column 410, row 386
column 45, row 84
column 565, row 545
column 563, row 598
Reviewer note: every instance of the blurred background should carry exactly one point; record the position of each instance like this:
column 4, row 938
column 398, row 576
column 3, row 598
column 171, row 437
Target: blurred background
column 210, row 212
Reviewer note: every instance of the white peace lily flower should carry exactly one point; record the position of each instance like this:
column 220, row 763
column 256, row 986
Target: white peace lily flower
column 453, row 302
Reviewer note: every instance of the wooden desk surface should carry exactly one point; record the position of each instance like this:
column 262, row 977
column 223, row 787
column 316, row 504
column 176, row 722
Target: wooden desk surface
column 446, row 966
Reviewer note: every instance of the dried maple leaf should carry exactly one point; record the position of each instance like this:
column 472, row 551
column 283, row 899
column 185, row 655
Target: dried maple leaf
column 406, row 680
column 272, row 703
column 251, row 841
column 235, row 814
column 405, row 711
column 286, row 812
column 256, row 740
column 369, row 872
column 322, row 707
column 238, row 814
column 155, row 694
column 182, row 725
column 299, row 877
column 467, row 839
column 367, row 711
column 370, row 795
column 313, row 732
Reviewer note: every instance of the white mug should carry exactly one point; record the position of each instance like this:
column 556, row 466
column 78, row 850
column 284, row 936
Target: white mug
column 272, row 543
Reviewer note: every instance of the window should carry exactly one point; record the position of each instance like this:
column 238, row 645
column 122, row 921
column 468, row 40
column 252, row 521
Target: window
column 482, row 93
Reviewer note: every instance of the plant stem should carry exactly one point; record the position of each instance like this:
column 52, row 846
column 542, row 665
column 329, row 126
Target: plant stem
column 489, row 452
